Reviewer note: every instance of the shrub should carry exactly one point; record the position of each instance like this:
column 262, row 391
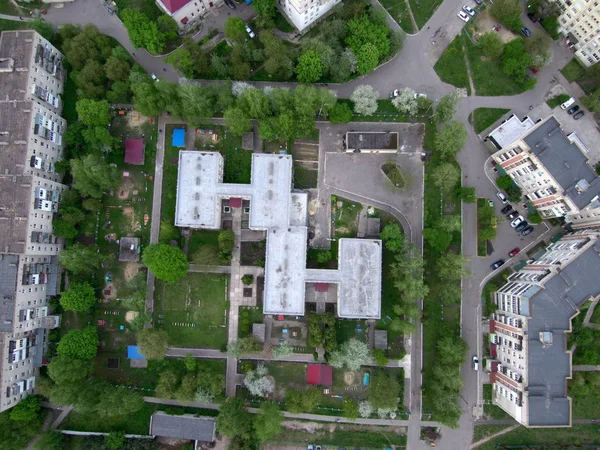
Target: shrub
column 247, row 280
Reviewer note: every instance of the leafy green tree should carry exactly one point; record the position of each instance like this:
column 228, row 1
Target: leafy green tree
column 93, row 112
column 365, row 100
column 340, row 113
column 451, row 268
column 491, row 45
column 79, row 297
column 99, row 139
column 243, row 345
column 362, row 30
column 278, row 59
column 406, row 102
column 367, row 58
column 235, row 30
column 190, row 363
column 64, row 229
column 91, row 204
column 81, row 259
column 46, row 29
column 197, row 103
column 438, row 240
column 79, row 344
column 234, row 419
column 50, row 440
column 350, row 409
column 85, row 45
column 167, row 26
column 504, row 182
column 323, row 257
column 143, row 32
column 115, row 440
column 187, row 389
column 268, row 424
column 168, row 381
column 323, row 50
column 152, row 343
column 451, row 138
column 508, row 13
column 27, row 410
column 380, row 358
column 302, row 401
column 93, row 175
column 446, row 107
column 167, row 263
column 515, row 60
column 117, row 69
column 538, row 46
column 71, row 214
column 467, row 194
column 120, row 92
column 393, row 238
column 65, row 370
column 450, row 223
column 91, row 80
column 266, row 10
column 384, row 391
column 445, row 176
column 236, row 121
column 255, row 103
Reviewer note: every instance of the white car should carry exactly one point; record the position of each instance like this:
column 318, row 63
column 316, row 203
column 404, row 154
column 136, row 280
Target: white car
column 475, row 363
column 501, row 196
column 515, row 223
column 154, row 77
column 250, row 32
column 463, row 16
column 568, row 103
column 469, row 10
column 395, row 93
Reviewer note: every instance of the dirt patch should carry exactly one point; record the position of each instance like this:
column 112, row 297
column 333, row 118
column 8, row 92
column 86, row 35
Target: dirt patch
column 311, row 427
column 485, row 23
column 349, row 378
column 253, row 253
column 130, row 270
column 131, row 315
column 135, row 119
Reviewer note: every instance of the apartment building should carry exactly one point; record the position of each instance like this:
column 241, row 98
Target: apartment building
column 580, row 24
column 530, row 363
column 31, row 141
column 303, row 13
column 187, row 13
column 552, row 170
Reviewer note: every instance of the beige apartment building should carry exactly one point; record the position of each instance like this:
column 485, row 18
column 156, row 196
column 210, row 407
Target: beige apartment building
column 303, row 13
column 552, row 170
column 580, row 24
column 31, row 142
column 530, row 364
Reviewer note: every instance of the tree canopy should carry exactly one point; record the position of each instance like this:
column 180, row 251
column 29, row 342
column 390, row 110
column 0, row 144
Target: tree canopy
column 166, row 262
column 81, row 259
column 152, row 343
column 79, row 297
column 365, row 100
column 79, row 344
column 93, row 176
column 143, row 32
column 27, row 410
column 352, row 354
column 268, row 424
column 309, row 68
column 451, row 138
column 66, row 370
column 234, row 419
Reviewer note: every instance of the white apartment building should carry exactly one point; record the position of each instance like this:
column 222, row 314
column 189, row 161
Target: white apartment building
column 303, row 13
column 552, row 170
column 187, row 13
column 530, row 363
column 31, row 130
column 580, row 24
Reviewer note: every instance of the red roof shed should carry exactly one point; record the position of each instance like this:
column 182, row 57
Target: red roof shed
column 134, row 151
column 319, row 374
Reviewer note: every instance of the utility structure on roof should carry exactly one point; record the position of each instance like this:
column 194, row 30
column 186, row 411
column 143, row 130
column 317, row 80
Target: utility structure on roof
column 282, row 212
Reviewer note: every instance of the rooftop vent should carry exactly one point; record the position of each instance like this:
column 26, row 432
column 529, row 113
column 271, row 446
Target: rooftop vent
column 582, row 185
column 546, row 338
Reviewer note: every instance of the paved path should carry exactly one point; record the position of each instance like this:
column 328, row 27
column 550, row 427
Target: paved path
column 586, row 368
column 16, row 18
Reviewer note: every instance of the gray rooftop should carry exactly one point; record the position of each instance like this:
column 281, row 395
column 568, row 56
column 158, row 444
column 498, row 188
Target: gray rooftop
column 9, row 270
column 567, row 164
column 381, row 339
column 551, row 311
column 509, row 131
column 15, row 198
column 18, row 46
column 183, row 427
column 14, row 125
column 128, row 249
column 372, row 140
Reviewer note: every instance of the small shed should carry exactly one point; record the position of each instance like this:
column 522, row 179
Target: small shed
column 258, row 331
column 134, row 151
column 185, row 426
column 129, row 249
column 320, row 374
column 178, row 137
column 381, row 339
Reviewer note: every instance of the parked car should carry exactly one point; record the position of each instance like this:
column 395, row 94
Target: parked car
column 521, row 226
column 395, row 93
column 497, row 27
column 514, row 252
column 573, row 109
column 501, row 196
column 463, row 16
column 469, row 10
column 532, row 17
column 230, row 4
column 527, row 230
column 578, row 115
column 512, row 215
column 250, row 32
column 517, row 221
column 506, row 209
column 154, row 77
column 497, row 264
column 567, row 104
column 475, row 362
column 526, row 31
column 491, row 203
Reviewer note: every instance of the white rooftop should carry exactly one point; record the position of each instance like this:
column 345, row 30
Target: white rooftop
column 273, row 207
column 509, row 131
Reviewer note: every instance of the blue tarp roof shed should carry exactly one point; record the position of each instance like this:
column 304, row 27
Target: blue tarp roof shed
column 178, row 137
column 133, row 352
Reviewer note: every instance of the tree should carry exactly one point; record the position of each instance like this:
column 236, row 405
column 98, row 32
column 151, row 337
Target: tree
column 258, row 381
column 438, row 240
column 197, row 103
column 234, row 420
column 64, row 370
column 365, row 409
column 79, row 297
column 152, row 343
column 491, row 45
column 116, row 401
column 392, row 237
column 187, row 389
column 167, row 263
column 367, row 58
column 91, row 204
column 226, row 240
column 534, row 218
column 143, row 32
column 266, row 10
column 299, row 401
column 46, row 29
column 79, row 344
column 80, row 259
column 93, row 113
column 268, row 424
column 255, row 103
column 451, row 268
column 91, row 80
column 324, row 257
column 352, row 354
column 515, row 60
column 309, row 68
column 27, row 410
column 365, row 100
column 236, row 121
column 64, row 229
column 380, row 358
column 167, row 26
column 362, row 31
column 446, row 107
column 340, row 113
column 538, row 46
column 451, row 138
column 406, row 102
column 450, row 223
column 446, row 176
column 243, row 345
column 93, row 175
column 168, row 381
column 117, row 69
column 508, row 13
column 50, row 440
column 120, row 92
column 281, row 351
column 235, row 30
column 383, row 391
column 99, row 138
column 350, row 409
column 504, row 182
column 115, row 440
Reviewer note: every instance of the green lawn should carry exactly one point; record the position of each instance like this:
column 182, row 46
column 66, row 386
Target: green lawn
column 346, row 329
column 249, row 315
column 423, row 9
column 490, row 410
column 338, row 437
column 596, row 315
column 483, row 431
column 399, row 11
column 287, row 373
column 482, row 118
column 305, row 178
column 344, row 217
column 198, row 299
column 6, row 25
column 451, row 67
column 204, row 238
column 6, row 7
column 282, row 24
column 522, row 437
column 573, row 71
column 169, row 186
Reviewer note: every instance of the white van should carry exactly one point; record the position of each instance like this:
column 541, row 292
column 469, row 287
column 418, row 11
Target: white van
column 568, row 103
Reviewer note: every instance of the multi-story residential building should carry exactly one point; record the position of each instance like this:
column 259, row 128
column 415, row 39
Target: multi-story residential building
column 303, row 13
column 530, row 363
column 187, row 13
column 31, row 130
column 580, row 24
column 553, row 171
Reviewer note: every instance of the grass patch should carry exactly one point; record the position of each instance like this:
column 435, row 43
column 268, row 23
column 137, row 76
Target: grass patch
column 490, row 410
column 305, row 178
column 237, row 161
column 573, row 71
column 282, row 24
column 15, row 435
column 338, row 437
column 486, row 225
column 169, row 187
column 483, row 431
column 596, row 315
column 451, row 67
column 199, row 300
column 423, row 9
column 523, row 437
column 344, row 215
column 207, row 240
column 249, row 315
column 394, row 175
column 491, row 286
column 482, row 118
column 557, row 100
column 6, row 25
column 399, row 12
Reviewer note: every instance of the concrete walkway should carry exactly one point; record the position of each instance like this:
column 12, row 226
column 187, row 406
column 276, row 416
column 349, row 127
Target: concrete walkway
column 586, row 368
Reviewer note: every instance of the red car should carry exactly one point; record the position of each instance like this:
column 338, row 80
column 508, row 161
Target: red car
column 514, row 252
column 496, row 28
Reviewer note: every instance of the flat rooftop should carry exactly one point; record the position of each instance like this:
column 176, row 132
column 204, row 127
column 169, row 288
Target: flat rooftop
column 372, row 140
column 283, row 213
column 509, row 131
column 15, row 198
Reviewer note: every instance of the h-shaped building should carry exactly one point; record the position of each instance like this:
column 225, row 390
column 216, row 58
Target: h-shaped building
column 282, row 212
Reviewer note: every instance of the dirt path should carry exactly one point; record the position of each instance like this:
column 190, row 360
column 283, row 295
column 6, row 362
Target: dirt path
column 412, row 18
column 468, row 65
column 489, row 438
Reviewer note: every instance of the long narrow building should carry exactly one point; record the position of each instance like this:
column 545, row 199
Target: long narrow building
column 31, row 142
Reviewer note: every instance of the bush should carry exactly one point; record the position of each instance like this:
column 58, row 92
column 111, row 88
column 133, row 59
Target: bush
column 247, row 280
column 550, row 24
column 467, row 194
column 534, row 218
column 341, row 113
